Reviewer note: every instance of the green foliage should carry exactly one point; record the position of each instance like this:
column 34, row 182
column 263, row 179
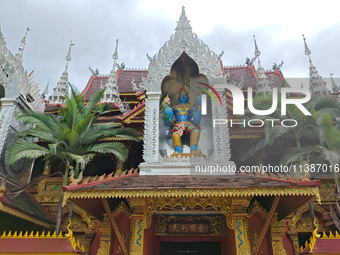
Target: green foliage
column 72, row 136
column 308, row 129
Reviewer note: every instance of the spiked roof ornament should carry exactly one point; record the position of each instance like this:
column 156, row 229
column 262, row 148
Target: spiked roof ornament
column 307, row 50
column 263, row 84
column 316, row 84
column 183, row 22
column 20, row 53
column 335, row 86
column 45, row 92
column 61, row 90
column 68, row 56
column 111, row 94
column 257, row 52
column 115, row 54
column 3, row 48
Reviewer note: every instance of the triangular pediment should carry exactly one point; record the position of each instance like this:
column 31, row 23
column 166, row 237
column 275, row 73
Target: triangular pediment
column 184, row 40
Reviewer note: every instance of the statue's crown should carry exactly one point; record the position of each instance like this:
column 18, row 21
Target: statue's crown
column 183, row 90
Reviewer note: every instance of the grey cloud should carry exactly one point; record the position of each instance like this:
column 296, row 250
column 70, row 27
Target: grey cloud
column 95, row 25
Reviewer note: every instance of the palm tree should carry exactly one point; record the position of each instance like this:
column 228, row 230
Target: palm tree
column 327, row 149
column 281, row 136
column 72, row 137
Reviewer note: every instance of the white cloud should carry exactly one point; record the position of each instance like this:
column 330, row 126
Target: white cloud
column 144, row 26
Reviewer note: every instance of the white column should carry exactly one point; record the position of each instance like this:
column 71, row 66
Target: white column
column 151, row 129
column 6, row 115
column 222, row 152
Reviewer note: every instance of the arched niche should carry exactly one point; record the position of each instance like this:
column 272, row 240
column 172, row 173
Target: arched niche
column 185, row 72
column 2, row 91
column 2, row 94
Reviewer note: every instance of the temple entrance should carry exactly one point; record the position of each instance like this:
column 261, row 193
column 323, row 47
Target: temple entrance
column 197, row 248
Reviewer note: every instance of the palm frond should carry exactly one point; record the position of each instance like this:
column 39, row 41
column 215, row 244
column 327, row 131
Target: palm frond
column 45, row 122
column 25, row 149
column 296, row 154
column 116, row 148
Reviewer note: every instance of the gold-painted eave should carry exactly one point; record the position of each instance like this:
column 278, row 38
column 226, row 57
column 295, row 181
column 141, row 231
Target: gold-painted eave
column 12, row 211
column 222, row 192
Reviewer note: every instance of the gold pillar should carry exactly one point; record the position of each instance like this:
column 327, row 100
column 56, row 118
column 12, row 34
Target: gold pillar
column 137, row 225
column 241, row 226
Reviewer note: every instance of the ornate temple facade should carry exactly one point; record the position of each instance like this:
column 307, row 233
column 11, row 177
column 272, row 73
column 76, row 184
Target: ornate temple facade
column 161, row 200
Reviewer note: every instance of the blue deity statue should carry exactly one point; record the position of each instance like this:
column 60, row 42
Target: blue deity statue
column 183, row 120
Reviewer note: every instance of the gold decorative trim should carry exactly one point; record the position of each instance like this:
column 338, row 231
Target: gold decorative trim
column 128, row 120
column 141, row 97
column 24, row 216
column 279, row 249
column 84, row 216
column 75, row 243
column 122, row 208
column 256, row 207
column 127, row 94
column 115, row 226
column 296, row 217
column 104, row 248
column 136, row 121
column 32, row 235
column 235, row 192
column 257, row 246
column 222, row 204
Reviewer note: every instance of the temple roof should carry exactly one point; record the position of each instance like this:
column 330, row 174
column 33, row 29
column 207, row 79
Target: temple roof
column 250, row 76
column 25, row 206
column 89, row 195
column 136, row 181
column 327, row 244
column 124, row 79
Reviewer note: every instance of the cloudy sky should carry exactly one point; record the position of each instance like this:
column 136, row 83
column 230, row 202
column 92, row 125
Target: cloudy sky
column 143, row 27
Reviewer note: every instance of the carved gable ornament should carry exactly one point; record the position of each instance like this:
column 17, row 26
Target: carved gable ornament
column 184, row 40
column 210, row 145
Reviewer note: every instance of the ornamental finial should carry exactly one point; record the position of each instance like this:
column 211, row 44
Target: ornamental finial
column 115, row 55
column 68, row 56
column 307, row 50
column 183, row 22
column 257, row 52
column 335, row 86
column 20, row 53
column 45, row 92
column 61, row 90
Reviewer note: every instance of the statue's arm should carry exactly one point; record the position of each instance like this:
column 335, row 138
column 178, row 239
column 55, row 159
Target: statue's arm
column 196, row 111
column 168, row 116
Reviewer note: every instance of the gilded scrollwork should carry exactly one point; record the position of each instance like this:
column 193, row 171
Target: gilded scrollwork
column 256, row 207
column 84, row 217
column 278, row 248
column 104, row 248
column 222, row 204
column 300, row 222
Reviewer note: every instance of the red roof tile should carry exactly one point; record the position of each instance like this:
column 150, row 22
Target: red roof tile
column 53, row 107
column 136, row 181
column 134, row 109
column 250, row 76
column 124, row 79
column 36, row 245
column 324, row 246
